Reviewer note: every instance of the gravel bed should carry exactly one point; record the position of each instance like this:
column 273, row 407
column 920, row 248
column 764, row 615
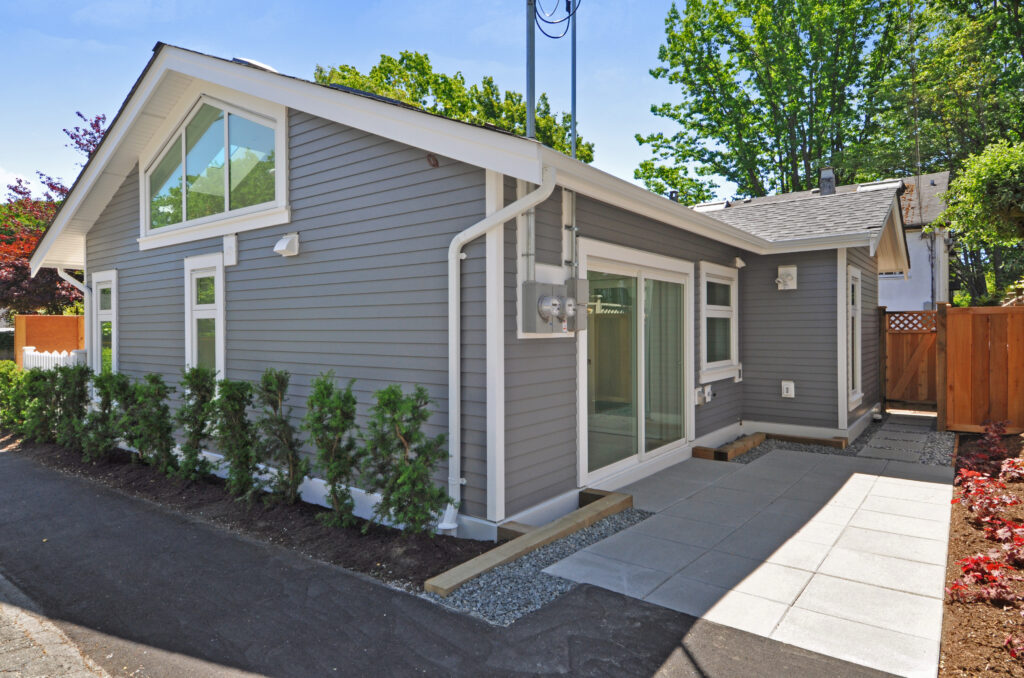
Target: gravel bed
column 771, row 445
column 938, row 448
column 516, row 589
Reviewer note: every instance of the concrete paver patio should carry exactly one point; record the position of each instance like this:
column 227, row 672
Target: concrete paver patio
column 840, row 555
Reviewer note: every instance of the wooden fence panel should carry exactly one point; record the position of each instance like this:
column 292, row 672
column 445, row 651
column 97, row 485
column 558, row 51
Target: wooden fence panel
column 910, row 357
column 984, row 368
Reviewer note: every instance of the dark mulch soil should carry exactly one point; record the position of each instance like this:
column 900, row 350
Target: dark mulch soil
column 973, row 634
column 388, row 554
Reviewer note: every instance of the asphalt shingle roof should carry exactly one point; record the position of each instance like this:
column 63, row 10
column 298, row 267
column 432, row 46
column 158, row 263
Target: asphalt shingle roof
column 810, row 215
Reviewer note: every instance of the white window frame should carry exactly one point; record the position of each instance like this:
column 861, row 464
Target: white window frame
column 720, row 369
column 100, row 280
column 854, row 318
column 266, row 214
column 197, row 267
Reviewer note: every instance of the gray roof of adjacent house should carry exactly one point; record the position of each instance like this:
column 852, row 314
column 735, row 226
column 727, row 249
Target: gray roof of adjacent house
column 814, row 218
column 808, row 214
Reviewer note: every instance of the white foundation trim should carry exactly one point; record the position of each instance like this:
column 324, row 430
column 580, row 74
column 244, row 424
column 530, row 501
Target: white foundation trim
column 858, row 427
column 748, row 427
column 495, row 295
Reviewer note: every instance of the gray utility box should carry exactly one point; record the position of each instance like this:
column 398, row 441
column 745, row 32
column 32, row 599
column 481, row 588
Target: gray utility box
column 554, row 309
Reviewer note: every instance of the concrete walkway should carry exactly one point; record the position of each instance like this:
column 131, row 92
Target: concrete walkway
column 839, row 555
column 148, row 593
column 31, row 646
column 901, row 438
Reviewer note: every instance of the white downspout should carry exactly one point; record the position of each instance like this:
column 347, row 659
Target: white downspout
column 75, row 282
column 449, row 521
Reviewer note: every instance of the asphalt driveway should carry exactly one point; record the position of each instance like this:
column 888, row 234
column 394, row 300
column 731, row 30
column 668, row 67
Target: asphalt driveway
column 146, row 592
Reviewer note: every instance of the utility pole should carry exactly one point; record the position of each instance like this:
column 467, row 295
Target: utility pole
column 572, row 18
column 530, row 70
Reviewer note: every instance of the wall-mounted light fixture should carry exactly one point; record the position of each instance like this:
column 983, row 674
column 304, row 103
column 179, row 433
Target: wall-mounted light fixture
column 786, row 279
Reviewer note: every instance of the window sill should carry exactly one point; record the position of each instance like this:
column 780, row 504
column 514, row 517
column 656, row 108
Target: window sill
column 734, row 372
column 854, row 400
column 234, row 224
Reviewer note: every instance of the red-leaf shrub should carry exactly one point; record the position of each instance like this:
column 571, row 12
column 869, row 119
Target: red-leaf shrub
column 983, row 580
column 1012, row 470
column 979, row 493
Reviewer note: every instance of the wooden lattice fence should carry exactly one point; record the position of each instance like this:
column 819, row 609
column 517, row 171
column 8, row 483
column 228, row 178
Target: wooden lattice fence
column 910, row 357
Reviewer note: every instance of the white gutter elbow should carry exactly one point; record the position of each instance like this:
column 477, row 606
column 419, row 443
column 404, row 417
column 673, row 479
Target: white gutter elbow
column 64, row 275
column 449, row 520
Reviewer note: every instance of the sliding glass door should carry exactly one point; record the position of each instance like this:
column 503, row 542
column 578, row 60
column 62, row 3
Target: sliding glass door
column 635, row 364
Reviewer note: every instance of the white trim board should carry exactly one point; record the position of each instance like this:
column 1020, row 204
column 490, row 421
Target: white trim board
column 101, row 279
column 495, row 295
column 843, row 407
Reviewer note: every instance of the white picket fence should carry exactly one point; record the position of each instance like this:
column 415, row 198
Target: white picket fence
column 47, row 360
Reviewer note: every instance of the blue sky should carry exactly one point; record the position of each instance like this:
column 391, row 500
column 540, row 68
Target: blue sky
column 61, row 57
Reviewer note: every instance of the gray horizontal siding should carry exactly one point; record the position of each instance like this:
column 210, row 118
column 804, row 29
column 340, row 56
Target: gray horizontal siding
column 540, row 405
column 366, row 296
column 868, row 265
column 548, row 230
column 789, row 335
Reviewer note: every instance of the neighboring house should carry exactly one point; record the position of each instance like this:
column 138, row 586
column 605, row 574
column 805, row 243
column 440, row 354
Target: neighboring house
column 358, row 234
column 927, row 282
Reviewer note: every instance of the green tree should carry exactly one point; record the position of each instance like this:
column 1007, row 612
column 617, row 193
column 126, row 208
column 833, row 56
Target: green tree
column 770, row 91
column 958, row 86
column 412, row 80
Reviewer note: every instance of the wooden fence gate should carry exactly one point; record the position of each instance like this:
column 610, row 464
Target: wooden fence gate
column 981, row 367
column 910, row 351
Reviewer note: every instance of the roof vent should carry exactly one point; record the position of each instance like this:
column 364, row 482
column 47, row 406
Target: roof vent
column 254, row 64
column 827, row 183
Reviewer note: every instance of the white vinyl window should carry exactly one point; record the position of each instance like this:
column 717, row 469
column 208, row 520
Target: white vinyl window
column 204, row 312
column 719, row 323
column 854, row 335
column 104, row 322
column 221, row 164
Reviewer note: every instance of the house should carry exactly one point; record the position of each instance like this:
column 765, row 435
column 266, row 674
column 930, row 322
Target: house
column 927, row 282
column 573, row 329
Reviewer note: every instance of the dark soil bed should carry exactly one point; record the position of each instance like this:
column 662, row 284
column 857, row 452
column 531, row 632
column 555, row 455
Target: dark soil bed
column 388, row 554
column 973, row 633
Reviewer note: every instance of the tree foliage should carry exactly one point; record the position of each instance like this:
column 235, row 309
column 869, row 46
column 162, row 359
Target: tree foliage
column 331, row 422
column 279, row 442
column 957, row 87
column 196, row 416
column 23, row 219
column 400, row 460
column 985, row 202
column 411, row 79
column 770, row 91
column 235, row 436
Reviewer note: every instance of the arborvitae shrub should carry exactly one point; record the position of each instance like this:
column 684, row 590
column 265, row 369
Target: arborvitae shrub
column 235, row 436
column 195, row 416
column 39, row 395
column 71, row 383
column 148, row 427
column 330, row 421
column 400, row 460
column 104, row 423
column 279, row 442
column 12, row 398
